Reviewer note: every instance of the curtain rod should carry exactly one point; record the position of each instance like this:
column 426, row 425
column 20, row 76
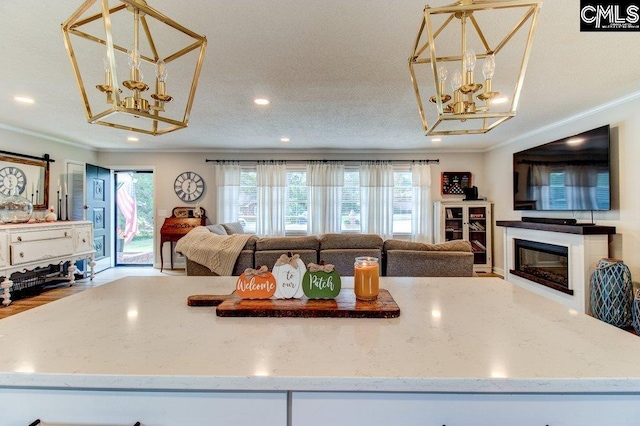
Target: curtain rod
column 437, row 160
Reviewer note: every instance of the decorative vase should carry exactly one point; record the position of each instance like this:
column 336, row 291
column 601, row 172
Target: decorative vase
column 612, row 292
column 15, row 208
column 636, row 312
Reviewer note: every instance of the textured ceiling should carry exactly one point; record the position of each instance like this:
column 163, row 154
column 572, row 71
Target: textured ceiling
column 335, row 71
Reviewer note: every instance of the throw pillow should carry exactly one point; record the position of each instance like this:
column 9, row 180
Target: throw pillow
column 233, row 228
column 217, row 229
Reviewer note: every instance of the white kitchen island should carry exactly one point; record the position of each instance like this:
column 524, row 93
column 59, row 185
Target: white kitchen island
column 464, row 351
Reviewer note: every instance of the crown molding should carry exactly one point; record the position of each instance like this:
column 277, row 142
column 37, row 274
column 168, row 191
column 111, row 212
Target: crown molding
column 46, row 137
column 627, row 98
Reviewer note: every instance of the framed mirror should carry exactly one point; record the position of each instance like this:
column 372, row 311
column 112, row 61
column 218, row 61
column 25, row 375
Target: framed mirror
column 27, row 175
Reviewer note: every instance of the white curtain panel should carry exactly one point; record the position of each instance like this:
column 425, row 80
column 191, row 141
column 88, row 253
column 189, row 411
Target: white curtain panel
column 271, row 179
column 325, row 181
column 226, row 179
column 376, row 198
column 422, row 217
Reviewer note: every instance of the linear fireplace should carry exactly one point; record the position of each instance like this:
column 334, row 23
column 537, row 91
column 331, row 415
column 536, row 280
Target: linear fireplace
column 585, row 246
column 542, row 263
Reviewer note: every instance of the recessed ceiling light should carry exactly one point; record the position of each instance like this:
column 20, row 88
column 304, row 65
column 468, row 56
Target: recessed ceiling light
column 436, row 140
column 132, row 139
column 284, row 139
column 23, row 99
column 497, row 101
column 261, row 101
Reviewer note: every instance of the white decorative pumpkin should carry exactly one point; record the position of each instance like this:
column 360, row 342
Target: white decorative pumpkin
column 289, row 271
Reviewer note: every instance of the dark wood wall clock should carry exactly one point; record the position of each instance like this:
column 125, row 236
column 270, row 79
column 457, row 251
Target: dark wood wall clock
column 189, row 186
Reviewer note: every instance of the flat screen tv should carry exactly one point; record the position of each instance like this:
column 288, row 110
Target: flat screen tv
column 570, row 174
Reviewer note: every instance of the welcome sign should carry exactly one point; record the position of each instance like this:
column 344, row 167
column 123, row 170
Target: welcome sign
column 609, row 16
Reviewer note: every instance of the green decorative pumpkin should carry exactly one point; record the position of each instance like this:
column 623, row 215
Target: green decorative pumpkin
column 321, row 282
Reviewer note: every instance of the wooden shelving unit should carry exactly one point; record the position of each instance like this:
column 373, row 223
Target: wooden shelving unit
column 466, row 220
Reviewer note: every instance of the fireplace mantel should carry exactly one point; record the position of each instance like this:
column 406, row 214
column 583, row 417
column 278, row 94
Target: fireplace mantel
column 580, row 229
column 586, row 245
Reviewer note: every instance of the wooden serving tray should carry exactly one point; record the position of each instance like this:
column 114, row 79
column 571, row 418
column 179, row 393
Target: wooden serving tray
column 343, row 306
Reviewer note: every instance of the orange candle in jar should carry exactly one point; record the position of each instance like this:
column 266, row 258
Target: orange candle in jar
column 366, row 278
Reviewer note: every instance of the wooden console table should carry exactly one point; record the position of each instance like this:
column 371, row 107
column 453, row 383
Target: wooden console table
column 182, row 221
column 25, row 247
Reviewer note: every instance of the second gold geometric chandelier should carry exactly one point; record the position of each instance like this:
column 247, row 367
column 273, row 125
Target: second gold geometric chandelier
column 450, row 41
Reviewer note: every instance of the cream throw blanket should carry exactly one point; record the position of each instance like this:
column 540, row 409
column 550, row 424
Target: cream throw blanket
column 217, row 252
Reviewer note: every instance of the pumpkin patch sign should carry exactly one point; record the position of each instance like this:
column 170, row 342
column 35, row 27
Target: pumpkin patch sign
column 256, row 284
column 321, row 281
column 288, row 271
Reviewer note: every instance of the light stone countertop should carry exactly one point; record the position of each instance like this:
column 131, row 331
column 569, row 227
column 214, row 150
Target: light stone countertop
column 453, row 335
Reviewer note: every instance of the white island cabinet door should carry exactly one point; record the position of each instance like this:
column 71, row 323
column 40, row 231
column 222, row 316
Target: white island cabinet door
column 420, row 409
column 84, row 407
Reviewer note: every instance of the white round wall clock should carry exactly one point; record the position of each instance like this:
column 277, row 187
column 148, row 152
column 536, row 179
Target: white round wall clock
column 12, row 177
column 189, row 186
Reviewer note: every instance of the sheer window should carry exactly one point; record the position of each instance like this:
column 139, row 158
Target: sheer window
column 296, row 203
column 248, row 207
column 351, row 200
column 402, row 201
column 296, row 209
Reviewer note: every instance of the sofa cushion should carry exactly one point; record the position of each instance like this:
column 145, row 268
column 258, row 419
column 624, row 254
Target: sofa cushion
column 286, row 244
column 343, row 259
column 420, row 263
column 217, row 229
column 455, row 245
column 350, row 241
column 233, row 228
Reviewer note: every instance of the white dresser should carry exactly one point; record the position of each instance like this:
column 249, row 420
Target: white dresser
column 24, row 247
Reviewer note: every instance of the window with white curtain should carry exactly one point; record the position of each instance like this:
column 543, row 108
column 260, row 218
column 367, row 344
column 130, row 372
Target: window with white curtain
column 296, row 209
column 248, row 199
column 297, row 202
column 351, row 200
column 402, row 199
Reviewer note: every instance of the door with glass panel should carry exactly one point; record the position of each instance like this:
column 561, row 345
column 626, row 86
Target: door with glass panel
column 134, row 219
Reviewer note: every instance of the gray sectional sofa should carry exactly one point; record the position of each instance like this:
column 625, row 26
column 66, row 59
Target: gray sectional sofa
column 398, row 258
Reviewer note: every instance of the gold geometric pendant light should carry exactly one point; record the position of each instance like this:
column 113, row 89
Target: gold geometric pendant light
column 117, row 46
column 449, row 43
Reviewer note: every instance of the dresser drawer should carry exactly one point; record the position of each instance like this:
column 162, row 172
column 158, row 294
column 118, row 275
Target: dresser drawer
column 32, row 251
column 49, row 234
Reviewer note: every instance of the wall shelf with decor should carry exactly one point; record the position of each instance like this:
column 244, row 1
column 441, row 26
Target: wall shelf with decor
column 454, row 183
column 466, row 220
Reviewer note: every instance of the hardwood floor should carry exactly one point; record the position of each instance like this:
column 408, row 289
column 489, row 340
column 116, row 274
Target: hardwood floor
column 62, row 290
